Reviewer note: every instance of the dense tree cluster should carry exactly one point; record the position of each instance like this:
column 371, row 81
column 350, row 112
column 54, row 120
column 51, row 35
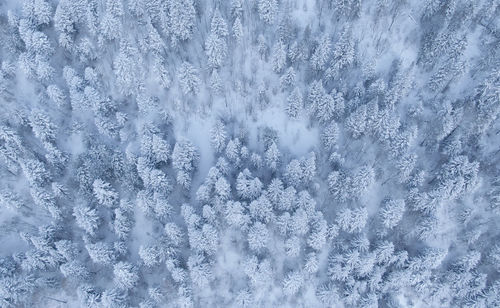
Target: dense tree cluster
column 262, row 153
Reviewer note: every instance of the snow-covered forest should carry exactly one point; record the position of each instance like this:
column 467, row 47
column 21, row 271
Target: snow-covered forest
column 249, row 153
